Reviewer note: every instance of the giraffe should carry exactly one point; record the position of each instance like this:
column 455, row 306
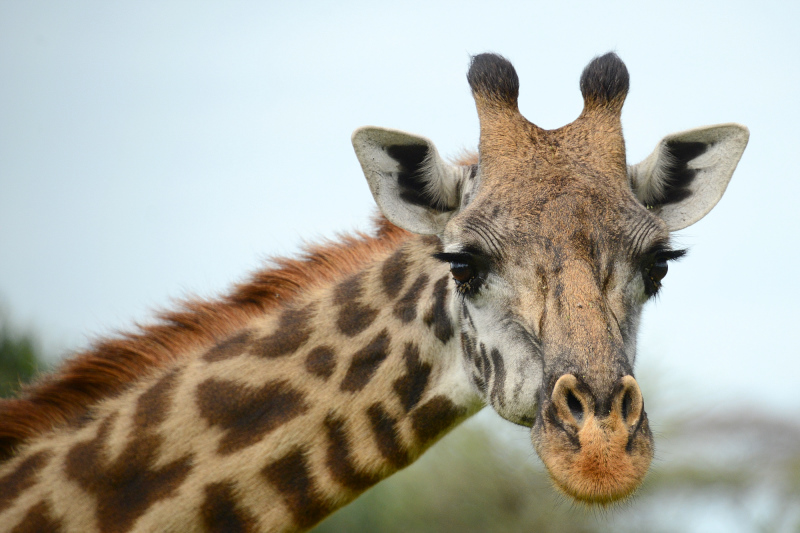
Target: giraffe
column 513, row 278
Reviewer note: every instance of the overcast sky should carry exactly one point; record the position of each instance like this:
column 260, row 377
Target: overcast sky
column 154, row 150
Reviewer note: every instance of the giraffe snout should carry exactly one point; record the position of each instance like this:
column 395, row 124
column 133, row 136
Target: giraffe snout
column 596, row 444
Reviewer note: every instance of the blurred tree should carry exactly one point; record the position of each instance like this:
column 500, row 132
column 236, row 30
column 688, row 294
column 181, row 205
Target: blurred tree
column 19, row 358
column 472, row 481
column 728, row 471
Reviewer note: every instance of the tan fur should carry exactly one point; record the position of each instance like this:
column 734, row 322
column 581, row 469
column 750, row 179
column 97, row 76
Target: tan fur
column 113, row 364
column 185, row 433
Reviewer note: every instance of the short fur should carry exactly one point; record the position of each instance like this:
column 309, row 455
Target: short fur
column 605, row 81
column 111, row 365
column 493, row 78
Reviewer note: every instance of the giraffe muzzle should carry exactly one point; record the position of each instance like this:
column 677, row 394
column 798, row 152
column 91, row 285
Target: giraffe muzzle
column 596, row 446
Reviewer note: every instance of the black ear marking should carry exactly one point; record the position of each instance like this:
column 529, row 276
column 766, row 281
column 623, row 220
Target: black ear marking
column 493, row 77
column 605, row 79
column 411, row 177
column 679, row 176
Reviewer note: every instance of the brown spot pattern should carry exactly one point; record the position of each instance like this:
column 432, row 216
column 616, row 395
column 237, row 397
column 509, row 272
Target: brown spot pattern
column 222, row 514
column 437, row 316
column 113, row 364
column 153, row 405
column 406, row 307
column 38, row 520
column 292, row 332
column 230, row 347
column 22, row 478
column 290, row 475
column 393, row 273
column 384, row 428
column 354, row 317
column 411, row 386
column 365, row 362
column 247, row 413
column 339, row 460
column 321, row 361
column 128, row 486
column 431, row 419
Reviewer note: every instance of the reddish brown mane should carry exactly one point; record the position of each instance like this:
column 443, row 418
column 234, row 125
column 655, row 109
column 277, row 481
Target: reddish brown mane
column 111, row 365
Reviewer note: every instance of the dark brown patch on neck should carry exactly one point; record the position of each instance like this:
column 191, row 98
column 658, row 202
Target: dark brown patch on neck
column 153, row 405
column 292, row 332
column 411, row 386
column 339, row 460
column 21, row 478
column 128, row 486
column 406, row 307
column 221, row 513
column 354, row 317
column 230, row 347
column 384, row 428
column 393, row 273
column 39, row 520
column 365, row 363
column 291, row 476
column 437, row 316
column 321, row 362
column 433, row 418
column 247, row 414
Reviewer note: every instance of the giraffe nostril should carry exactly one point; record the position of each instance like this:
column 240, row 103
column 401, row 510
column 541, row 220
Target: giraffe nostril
column 575, row 406
column 569, row 401
column 627, row 404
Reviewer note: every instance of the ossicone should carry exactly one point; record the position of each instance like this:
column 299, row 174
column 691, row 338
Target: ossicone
column 493, row 80
column 605, row 82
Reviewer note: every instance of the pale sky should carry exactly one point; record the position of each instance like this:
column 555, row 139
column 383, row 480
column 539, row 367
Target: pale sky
column 154, row 150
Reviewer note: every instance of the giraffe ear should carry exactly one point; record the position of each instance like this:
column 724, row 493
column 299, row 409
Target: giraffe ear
column 413, row 187
column 686, row 175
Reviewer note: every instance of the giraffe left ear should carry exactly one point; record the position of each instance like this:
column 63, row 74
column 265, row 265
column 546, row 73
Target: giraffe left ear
column 413, row 187
column 687, row 173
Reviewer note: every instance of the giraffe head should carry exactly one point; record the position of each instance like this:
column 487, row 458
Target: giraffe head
column 555, row 243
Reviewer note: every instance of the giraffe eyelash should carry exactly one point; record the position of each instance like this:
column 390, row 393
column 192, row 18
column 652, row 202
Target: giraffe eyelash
column 655, row 267
column 465, row 270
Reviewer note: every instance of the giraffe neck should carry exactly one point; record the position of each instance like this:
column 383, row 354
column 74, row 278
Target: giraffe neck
column 291, row 416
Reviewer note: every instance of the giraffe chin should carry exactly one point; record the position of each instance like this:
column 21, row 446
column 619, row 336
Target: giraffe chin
column 599, row 464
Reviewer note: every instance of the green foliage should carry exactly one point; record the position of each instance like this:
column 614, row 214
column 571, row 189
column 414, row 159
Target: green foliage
column 19, row 359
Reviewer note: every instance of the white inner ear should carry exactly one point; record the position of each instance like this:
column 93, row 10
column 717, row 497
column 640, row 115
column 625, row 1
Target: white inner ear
column 714, row 168
column 442, row 181
column 382, row 171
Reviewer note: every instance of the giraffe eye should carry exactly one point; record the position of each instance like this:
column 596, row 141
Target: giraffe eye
column 657, row 267
column 654, row 274
column 658, row 271
column 462, row 272
column 463, row 268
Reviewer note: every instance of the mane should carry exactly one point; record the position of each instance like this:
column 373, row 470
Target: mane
column 111, row 365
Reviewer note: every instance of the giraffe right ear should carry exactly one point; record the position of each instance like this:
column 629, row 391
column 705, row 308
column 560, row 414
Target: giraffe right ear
column 686, row 175
column 413, row 187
